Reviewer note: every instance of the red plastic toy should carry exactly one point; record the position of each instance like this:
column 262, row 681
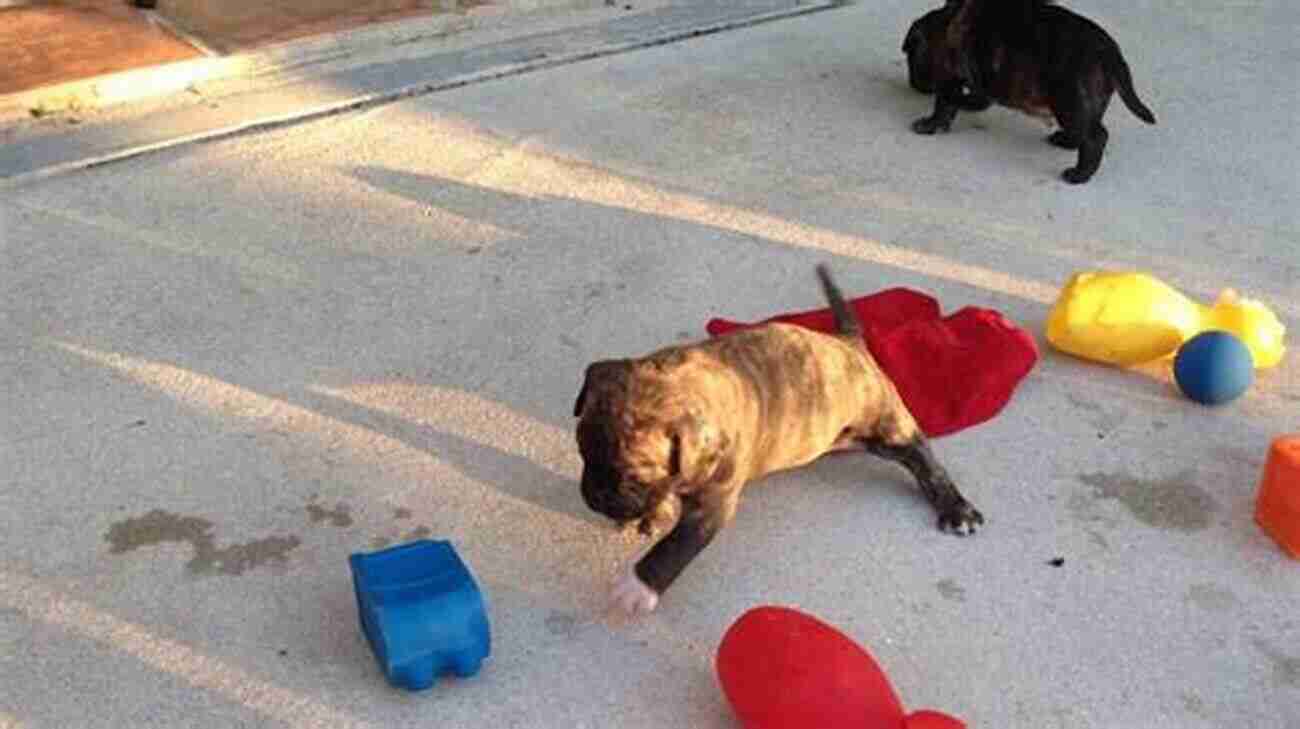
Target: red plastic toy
column 952, row 372
column 783, row 669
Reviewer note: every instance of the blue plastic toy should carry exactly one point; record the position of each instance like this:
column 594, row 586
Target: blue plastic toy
column 1213, row 368
column 421, row 612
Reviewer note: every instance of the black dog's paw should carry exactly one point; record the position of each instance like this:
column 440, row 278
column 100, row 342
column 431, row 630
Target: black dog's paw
column 961, row 519
column 1060, row 138
column 930, row 125
column 1075, row 176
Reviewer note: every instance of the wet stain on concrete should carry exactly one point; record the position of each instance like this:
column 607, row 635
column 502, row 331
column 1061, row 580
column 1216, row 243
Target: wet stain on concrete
column 340, row 516
column 1098, row 539
column 1211, row 597
column 159, row 527
column 1175, row 503
column 239, row 558
column 1250, row 460
column 562, row 624
column 1082, row 403
column 156, row 527
column 1098, row 416
column 1083, row 506
column 951, row 590
column 921, row 607
column 1286, row 668
column 420, row 532
column 1194, row 704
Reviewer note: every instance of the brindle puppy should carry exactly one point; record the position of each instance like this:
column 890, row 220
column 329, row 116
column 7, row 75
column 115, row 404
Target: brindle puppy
column 1039, row 58
column 683, row 430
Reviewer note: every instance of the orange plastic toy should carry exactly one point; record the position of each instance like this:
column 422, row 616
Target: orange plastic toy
column 1278, row 507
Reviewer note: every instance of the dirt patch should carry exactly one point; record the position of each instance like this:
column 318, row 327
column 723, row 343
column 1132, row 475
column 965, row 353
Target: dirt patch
column 48, row 43
column 235, row 25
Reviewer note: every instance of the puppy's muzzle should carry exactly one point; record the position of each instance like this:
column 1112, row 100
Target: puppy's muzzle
column 602, row 490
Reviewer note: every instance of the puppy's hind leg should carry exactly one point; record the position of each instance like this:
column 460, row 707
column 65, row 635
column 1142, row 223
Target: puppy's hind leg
column 908, row 446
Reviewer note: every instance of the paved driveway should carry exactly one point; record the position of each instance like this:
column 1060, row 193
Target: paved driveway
column 230, row 365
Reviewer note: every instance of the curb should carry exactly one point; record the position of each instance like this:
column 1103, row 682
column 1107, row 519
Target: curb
column 297, row 57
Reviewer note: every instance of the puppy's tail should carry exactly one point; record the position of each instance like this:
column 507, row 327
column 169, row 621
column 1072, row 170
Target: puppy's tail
column 846, row 322
column 1117, row 69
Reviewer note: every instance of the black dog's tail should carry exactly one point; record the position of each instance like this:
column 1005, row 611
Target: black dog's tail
column 846, row 322
column 1117, row 69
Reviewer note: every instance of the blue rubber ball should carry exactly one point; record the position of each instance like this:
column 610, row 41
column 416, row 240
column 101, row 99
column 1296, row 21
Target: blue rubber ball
column 1213, row 368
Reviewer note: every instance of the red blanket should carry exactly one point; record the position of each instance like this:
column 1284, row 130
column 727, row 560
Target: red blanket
column 952, row 372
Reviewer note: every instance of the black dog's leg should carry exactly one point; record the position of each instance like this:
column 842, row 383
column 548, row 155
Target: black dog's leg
column 946, row 104
column 1079, row 112
column 955, row 512
column 1091, row 148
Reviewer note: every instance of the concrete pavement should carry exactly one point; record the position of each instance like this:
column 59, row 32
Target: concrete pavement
column 232, row 364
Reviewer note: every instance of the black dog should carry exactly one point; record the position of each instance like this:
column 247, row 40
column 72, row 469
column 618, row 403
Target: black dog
column 924, row 40
column 1039, row 58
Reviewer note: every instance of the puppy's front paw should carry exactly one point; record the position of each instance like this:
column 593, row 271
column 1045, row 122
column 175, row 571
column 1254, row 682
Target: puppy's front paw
column 631, row 595
column 961, row 519
column 930, row 125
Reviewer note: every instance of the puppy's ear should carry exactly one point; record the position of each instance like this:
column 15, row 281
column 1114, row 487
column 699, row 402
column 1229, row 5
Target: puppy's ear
column 606, row 370
column 697, row 451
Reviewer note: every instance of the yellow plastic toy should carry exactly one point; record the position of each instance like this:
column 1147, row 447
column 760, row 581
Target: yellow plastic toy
column 1127, row 318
